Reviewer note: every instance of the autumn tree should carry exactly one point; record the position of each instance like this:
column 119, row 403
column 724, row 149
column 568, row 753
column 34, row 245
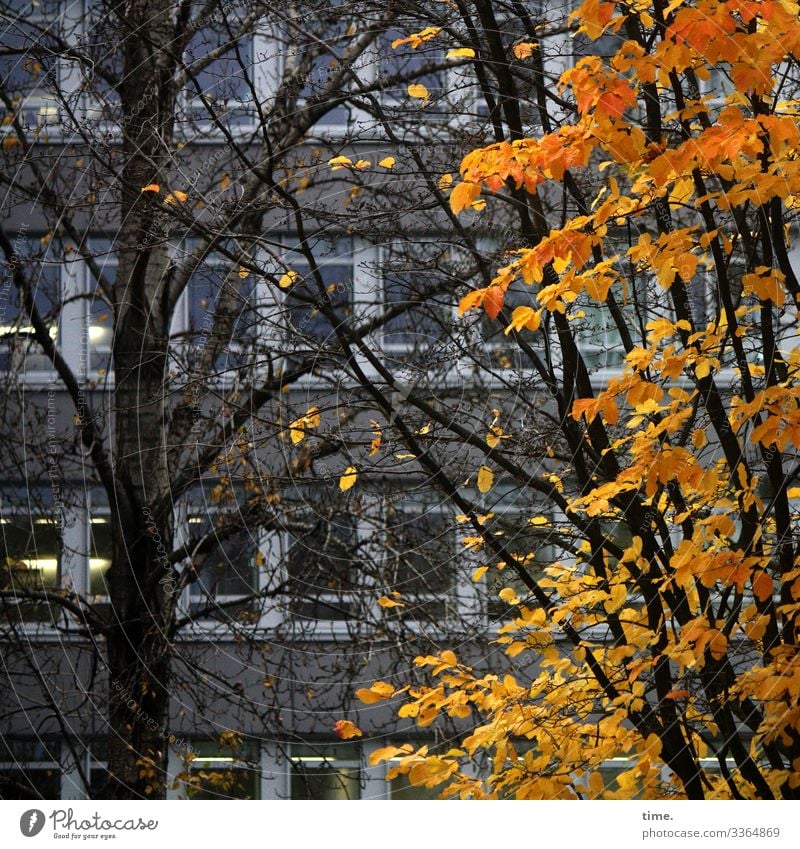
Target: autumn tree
column 655, row 304
column 189, row 189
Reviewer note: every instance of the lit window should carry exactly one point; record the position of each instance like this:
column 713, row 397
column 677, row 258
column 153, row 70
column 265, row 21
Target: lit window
column 99, row 554
column 18, row 348
column 100, row 316
column 325, row 772
column 29, row 563
column 224, row 772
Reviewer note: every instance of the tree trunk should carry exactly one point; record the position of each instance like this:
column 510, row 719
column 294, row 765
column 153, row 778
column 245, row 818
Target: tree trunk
column 138, row 643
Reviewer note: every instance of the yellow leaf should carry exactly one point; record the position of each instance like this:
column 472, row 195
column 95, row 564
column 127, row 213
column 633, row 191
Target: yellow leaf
column 385, row 601
column 363, row 163
column 479, row 573
column 463, row 195
column 445, row 181
column 461, row 53
column 509, row 595
column 243, row 272
column 419, row 91
column 388, row 753
column 288, row 279
column 339, row 162
column 152, row 187
column 378, row 691
column 387, row 162
column 485, row 479
column 524, row 318
column 478, row 205
column 348, row 479
column 539, row 520
column 298, row 427
column 653, row 745
column 176, row 197
column 793, row 492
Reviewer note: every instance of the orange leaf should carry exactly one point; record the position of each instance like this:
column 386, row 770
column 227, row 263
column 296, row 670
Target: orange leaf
column 762, row 586
column 493, row 301
column 345, row 730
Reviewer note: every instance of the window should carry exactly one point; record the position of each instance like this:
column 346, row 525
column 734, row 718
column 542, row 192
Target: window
column 323, row 568
column 322, row 68
column 225, row 574
column 221, row 91
column 418, row 276
column 98, row 774
column 616, row 775
column 597, row 334
column 325, row 772
column 18, row 348
column 219, row 771
column 29, row 562
column 530, row 544
column 29, row 66
column 304, row 300
column 401, row 789
column 99, row 554
column 421, row 561
column 218, row 289
column 29, row 769
column 100, row 317
column 398, row 66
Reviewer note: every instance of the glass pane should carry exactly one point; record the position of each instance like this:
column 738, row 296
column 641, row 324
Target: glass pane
column 401, row 788
column 324, row 782
column 322, row 568
column 225, row 772
column 421, row 562
column 21, row 784
column 29, row 553
column 229, row 569
column 404, row 63
column 17, row 345
column 535, row 553
column 99, row 555
column 226, row 783
column 418, row 276
column 305, row 303
column 208, row 295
